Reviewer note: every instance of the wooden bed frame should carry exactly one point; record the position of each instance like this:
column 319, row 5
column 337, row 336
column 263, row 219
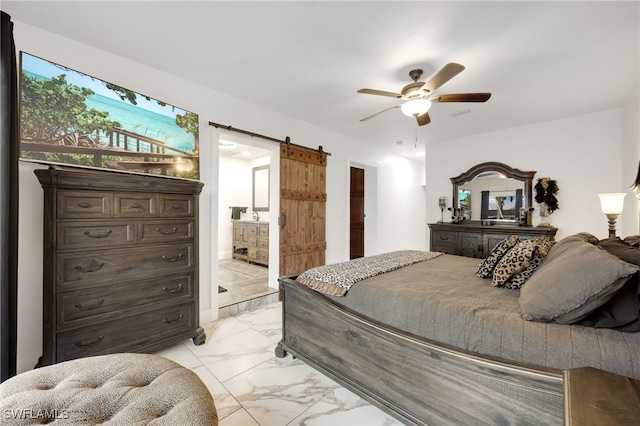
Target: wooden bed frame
column 413, row 379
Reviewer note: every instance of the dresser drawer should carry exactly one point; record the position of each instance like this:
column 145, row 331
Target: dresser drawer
column 446, row 249
column 263, row 231
column 262, row 243
column 83, row 204
column 252, row 253
column 161, row 231
column 119, row 264
column 125, row 334
column 99, row 304
column 134, row 205
column 176, row 205
column 263, row 255
column 94, row 234
column 444, row 238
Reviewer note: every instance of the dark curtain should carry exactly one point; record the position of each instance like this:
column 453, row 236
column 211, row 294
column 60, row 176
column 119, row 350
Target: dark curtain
column 9, row 151
column 519, row 198
column 484, row 207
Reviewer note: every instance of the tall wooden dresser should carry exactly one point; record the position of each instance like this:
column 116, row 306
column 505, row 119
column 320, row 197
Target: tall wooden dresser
column 120, row 270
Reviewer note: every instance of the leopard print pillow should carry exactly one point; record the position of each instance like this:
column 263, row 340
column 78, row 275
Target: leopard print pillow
column 517, row 266
column 485, row 270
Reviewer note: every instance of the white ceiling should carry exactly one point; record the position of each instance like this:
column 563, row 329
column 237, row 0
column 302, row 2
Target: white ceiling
column 540, row 60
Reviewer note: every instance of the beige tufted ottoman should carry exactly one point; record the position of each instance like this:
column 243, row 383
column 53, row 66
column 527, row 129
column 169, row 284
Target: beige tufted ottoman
column 120, row 389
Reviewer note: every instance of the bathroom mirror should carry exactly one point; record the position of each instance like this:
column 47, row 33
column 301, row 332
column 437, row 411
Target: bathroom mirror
column 261, row 189
column 492, row 191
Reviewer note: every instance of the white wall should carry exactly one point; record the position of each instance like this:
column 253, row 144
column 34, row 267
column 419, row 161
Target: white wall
column 400, row 195
column 236, row 191
column 630, row 159
column 583, row 153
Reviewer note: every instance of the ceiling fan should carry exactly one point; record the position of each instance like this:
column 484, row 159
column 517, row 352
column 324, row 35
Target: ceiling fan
column 419, row 96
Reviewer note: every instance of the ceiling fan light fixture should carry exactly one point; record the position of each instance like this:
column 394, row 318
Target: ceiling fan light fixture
column 415, row 107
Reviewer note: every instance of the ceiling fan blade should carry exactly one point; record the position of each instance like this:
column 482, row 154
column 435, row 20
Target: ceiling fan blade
column 423, row 119
column 380, row 93
column 441, row 77
column 461, row 97
column 380, row 112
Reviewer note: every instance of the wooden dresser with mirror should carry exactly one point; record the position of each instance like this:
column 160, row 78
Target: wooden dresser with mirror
column 491, row 197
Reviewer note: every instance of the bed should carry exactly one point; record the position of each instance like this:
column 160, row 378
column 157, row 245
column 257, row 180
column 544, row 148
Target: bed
column 432, row 343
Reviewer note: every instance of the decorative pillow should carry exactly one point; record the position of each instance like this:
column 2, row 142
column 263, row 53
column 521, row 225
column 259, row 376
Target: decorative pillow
column 485, row 270
column 575, row 279
column 621, row 312
column 561, row 247
column 633, row 240
column 620, row 249
column 517, row 266
column 589, row 238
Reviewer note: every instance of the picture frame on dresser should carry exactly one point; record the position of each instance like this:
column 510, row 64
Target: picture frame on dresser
column 120, row 268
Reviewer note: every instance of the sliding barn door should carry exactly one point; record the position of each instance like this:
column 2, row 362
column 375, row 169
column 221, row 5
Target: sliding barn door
column 303, row 199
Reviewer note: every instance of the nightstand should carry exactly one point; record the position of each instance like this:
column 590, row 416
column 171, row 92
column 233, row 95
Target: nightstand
column 597, row 397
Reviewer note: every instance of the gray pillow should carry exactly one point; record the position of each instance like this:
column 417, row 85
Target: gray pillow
column 575, row 279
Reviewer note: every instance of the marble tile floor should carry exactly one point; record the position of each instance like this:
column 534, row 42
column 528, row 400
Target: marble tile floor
column 251, row 386
column 247, row 287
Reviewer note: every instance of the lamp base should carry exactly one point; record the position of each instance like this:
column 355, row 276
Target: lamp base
column 612, row 224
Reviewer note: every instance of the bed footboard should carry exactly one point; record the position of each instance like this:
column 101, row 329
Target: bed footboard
column 415, row 380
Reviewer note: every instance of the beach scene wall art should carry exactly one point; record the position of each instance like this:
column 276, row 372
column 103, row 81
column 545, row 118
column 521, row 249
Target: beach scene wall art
column 72, row 118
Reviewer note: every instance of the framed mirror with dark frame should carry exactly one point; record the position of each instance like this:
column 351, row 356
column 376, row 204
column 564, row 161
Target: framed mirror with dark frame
column 260, row 196
column 493, row 192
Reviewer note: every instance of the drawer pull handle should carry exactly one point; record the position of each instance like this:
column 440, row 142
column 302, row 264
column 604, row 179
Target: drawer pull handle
column 81, row 269
column 172, row 231
column 176, row 207
column 85, row 205
column 105, row 235
column 172, row 259
column 444, row 238
column 88, row 308
column 135, row 206
column 174, row 290
column 166, row 321
column 88, row 345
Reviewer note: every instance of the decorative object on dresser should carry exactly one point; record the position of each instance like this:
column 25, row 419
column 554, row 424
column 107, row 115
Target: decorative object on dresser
column 120, row 262
column 612, row 205
column 492, row 192
column 442, row 203
column 251, row 241
column 473, row 239
column 546, row 190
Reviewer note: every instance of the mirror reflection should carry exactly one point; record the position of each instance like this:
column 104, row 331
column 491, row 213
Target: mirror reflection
column 492, row 191
column 491, row 196
column 261, row 189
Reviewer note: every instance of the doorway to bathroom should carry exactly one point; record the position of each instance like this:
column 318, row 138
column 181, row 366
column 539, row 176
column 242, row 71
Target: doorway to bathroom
column 244, row 218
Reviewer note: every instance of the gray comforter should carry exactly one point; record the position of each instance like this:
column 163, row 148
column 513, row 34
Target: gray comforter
column 443, row 300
